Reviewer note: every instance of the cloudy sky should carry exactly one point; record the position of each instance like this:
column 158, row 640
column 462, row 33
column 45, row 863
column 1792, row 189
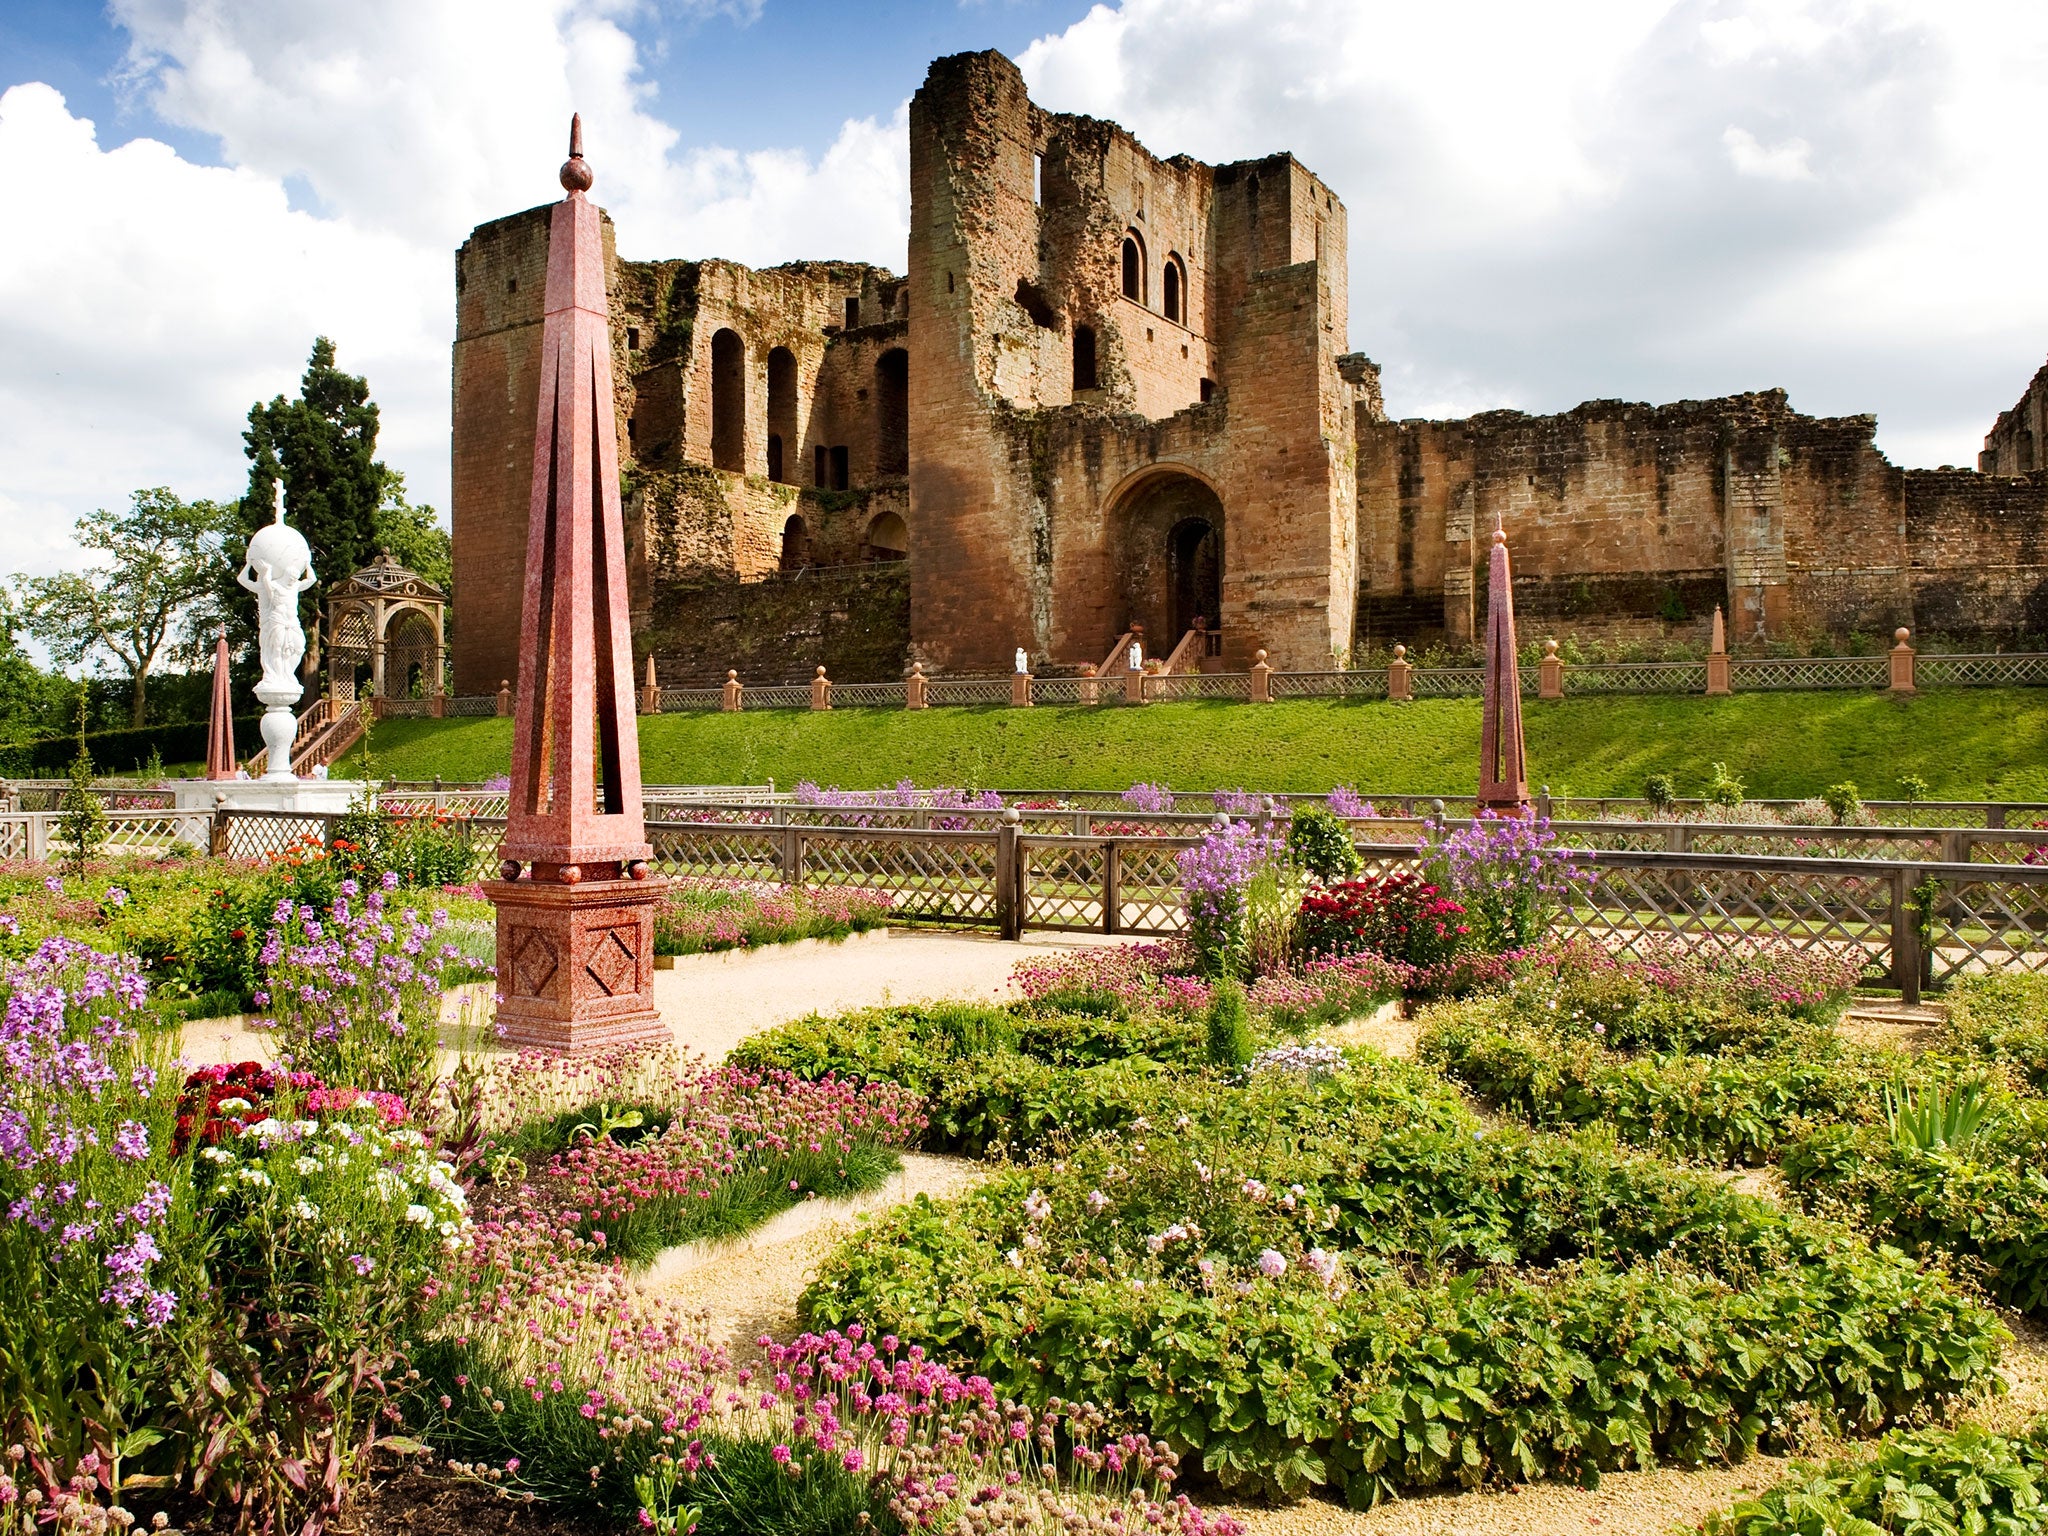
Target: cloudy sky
column 1549, row 203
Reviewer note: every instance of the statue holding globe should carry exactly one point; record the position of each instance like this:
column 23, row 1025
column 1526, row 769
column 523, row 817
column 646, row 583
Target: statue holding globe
column 277, row 568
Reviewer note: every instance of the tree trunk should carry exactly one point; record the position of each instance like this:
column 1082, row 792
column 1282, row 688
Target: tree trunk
column 138, row 697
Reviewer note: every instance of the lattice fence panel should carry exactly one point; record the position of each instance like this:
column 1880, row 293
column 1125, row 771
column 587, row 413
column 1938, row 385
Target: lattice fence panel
column 777, row 696
column 950, row 878
column 1327, row 685
column 677, row 700
column 868, row 695
column 15, row 836
column 2020, row 670
column 1638, row 677
column 2014, row 847
column 1998, row 923
column 1149, row 889
column 1639, row 911
column 1817, row 843
column 1765, row 673
column 1201, row 685
column 1059, row 690
column 475, row 704
column 1447, row 682
column 717, row 853
column 407, row 709
column 267, row 834
column 967, row 690
column 1063, row 884
column 157, row 832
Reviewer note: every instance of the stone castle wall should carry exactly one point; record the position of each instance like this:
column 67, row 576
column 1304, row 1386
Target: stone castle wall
column 1044, row 441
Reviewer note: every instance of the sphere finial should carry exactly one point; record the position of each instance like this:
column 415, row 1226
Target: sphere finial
column 576, row 175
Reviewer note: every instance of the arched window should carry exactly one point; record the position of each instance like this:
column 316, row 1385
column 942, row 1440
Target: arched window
column 1134, row 268
column 783, row 434
column 1084, row 357
column 1173, row 288
column 796, row 544
column 887, row 539
column 892, row 412
column 729, row 402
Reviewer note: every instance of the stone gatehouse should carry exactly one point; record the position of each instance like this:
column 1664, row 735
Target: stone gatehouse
column 1115, row 391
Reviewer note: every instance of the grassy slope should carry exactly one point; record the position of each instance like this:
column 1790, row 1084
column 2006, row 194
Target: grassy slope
column 1967, row 743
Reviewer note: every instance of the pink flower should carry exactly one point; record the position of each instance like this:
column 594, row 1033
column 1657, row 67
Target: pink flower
column 1271, row 1264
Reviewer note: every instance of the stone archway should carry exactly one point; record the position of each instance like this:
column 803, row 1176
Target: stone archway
column 1170, row 532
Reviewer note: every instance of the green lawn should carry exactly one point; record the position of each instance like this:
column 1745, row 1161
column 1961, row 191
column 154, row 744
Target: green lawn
column 1967, row 743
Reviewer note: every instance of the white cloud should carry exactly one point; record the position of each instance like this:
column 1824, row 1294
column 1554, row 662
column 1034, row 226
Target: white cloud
column 1775, row 162
column 154, row 299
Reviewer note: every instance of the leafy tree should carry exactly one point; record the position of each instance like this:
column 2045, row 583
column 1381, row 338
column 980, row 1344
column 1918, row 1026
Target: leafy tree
column 323, row 445
column 31, row 700
column 82, row 826
column 415, row 540
column 164, row 562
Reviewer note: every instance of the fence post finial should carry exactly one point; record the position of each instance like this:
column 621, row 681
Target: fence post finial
column 1717, row 657
column 1550, row 673
column 1397, row 676
column 821, row 690
column 1902, row 661
column 914, row 687
column 1262, row 679
column 729, row 696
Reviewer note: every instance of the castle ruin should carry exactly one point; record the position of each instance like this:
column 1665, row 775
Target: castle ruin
column 1113, row 395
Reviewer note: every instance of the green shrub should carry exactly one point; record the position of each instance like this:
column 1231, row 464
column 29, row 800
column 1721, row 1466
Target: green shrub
column 1229, row 1026
column 1321, row 844
column 1934, row 1482
column 1723, row 788
column 1844, row 802
column 1913, row 789
column 1661, row 790
column 1347, row 1280
column 1984, row 1203
column 2001, row 1020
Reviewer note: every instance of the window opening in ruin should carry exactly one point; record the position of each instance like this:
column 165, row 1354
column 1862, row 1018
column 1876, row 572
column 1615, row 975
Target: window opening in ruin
column 892, row 412
column 819, row 473
column 1208, row 390
column 632, row 338
column 1173, row 285
column 949, row 282
column 782, row 412
column 1141, row 199
column 796, row 544
column 1038, row 178
column 852, row 313
column 1084, row 357
column 632, row 431
column 839, row 477
column 1134, row 269
column 1033, row 302
column 887, row 539
column 728, row 402
column 511, row 285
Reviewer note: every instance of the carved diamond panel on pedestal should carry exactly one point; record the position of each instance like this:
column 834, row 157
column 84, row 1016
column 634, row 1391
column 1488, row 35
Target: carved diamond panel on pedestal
column 609, row 961
column 534, row 962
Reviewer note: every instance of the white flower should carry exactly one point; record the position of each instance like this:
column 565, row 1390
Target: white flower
column 234, row 1106
column 305, row 1210
column 1033, row 1241
column 1154, row 1243
column 1323, row 1265
column 1015, row 1258
column 1097, row 1200
column 419, row 1215
column 1037, row 1206
column 307, row 1164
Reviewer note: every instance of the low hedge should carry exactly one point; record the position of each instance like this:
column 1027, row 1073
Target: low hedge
column 1939, row 1482
column 1349, row 1280
column 2001, row 1019
column 120, row 751
column 1731, row 1109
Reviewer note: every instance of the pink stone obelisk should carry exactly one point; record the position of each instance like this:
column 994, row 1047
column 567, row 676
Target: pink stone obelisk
column 220, row 725
column 575, row 901
column 1503, row 777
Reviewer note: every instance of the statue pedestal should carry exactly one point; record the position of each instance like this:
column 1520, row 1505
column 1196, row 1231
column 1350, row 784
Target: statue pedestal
column 576, row 964
column 311, row 796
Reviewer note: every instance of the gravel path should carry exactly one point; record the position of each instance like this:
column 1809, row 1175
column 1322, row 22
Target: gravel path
column 749, row 1286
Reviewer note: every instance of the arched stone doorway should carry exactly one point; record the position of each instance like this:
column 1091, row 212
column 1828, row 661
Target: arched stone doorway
column 1170, row 554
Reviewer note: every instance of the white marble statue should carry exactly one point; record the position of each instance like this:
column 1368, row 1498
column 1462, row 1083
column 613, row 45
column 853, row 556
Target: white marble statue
column 1023, row 661
column 278, row 567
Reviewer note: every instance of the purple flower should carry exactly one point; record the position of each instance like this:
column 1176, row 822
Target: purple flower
column 1346, row 802
column 117, row 896
column 1148, row 797
column 131, row 1142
